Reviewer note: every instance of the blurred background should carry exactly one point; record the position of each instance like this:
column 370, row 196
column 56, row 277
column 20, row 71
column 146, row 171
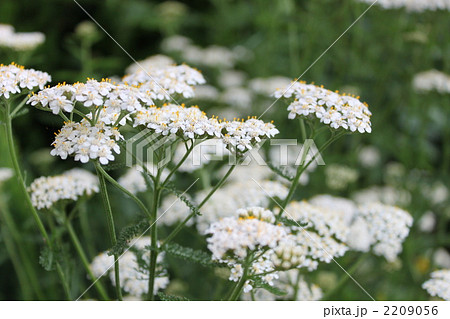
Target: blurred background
column 245, row 49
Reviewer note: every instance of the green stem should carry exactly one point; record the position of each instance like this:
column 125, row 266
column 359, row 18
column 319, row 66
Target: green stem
column 21, row 248
column 189, row 150
column 124, row 190
column 111, row 227
column 23, row 189
column 346, row 278
column 87, row 234
column 76, row 242
column 294, row 297
column 21, row 273
column 191, row 215
column 154, row 238
column 240, row 284
column 19, row 107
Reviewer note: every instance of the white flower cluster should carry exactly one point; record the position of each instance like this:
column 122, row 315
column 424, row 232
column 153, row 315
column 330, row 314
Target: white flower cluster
column 386, row 228
column 160, row 83
column 213, row 56
column 290, row 282
column 133, row 279
column 369, row 156
column 439, row 284
column 19, row 41
column 191, row 123
column 5, row 174
column 432, row 80
column 173, row 210
column 384, row 194
column 111, row 97
column 133, row 180
column 234, row 195
column 46, row 191
column 87, row 142
column 238, row 97
column 15, row 79
column 332, row 108
column 154, row 61
column 338, row 177
column 412, row 5
column 233, row 237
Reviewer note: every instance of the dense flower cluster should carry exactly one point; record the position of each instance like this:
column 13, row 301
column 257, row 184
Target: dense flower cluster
column 234, row 195
column 161, row 82
column 191, row 123
column 439, row 284
column 133, row 276
column 289, row 281
column 46, row 191
column 86, row 142
column 19, row 41
column 332, row 108
column 432, row 80
column 112, row 97
column 384, row 194
column 266, row 86
column 15, row 79
column 154, row 61
column 413, row 5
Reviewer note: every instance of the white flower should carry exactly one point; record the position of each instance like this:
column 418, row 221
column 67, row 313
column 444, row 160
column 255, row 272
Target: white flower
column 369, row 156
column 19, row 41
column 173, row 211
column 412, row 5
column 154, row 61
column 427, row 222
column 439, row 284
column 237, row 96
column 86, row 142
column 45, row 191
column 133, row 277
column 15, row 79
column 432, row 80
column 331, row 108
column 384, row 194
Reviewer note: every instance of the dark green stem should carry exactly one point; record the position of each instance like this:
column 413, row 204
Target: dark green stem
column 111, row 227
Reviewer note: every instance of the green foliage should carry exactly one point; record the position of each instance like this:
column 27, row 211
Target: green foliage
column 127, row 234
column 258, row 283
column 189, row 254
column 192, row 207
column 165, row 297
column 281, row 171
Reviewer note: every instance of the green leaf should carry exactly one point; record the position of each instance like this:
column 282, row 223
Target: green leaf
column 192, row 207
column 126, row 235
column 114, row 166
column 280, row 171
column 189, row 254
column 165, row 297
column 258, row 283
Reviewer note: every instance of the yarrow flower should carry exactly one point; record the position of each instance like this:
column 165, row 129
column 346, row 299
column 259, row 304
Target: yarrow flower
column 46, row 191
column 154, row 61
column 439, row 284
column 432, row 80
column 161, row 82
column 19, row 41
column 331, row 108
column 86, row 142
column 15, row 79
column 412, row 5
column 338, row 177
column 133, row 273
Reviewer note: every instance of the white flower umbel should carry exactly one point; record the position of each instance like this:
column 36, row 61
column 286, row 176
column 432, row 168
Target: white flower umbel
column 331, row 108
column 19, row 41
column 439, row 284
column 46, row 191
column 227, row 200
column 266, row 86
column 432, row 80
column 291, row 282
column 384, row 194
column 90, row 96
column 15, row 79
column 86, row 142
column 152, row 62
column 160, row 83
column 412, row 5
column 173, row 211
column 133, row 276
column 386, row 226
column 5, row 174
